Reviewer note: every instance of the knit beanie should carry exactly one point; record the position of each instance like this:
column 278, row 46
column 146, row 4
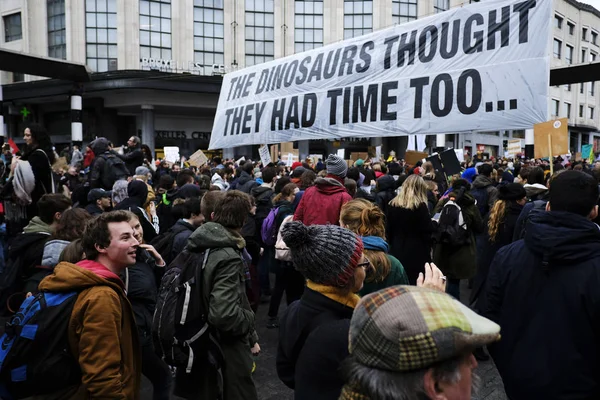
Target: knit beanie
column 336, row 166
column 325, row 254
column 143, row 171
column 511, row 191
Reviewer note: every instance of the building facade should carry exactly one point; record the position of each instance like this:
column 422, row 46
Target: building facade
column 213, row 37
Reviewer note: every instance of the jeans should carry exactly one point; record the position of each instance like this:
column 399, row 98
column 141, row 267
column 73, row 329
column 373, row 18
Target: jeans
column 287, row 280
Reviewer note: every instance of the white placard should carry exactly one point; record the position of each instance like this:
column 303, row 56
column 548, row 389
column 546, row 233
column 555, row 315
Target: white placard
column 460, row 154
column 513, row 148
column 238, row 162
column 265, row 155
column 290, row 160
column 198, row 159
column 482, row 67
column 171, row 153
column 341, row 153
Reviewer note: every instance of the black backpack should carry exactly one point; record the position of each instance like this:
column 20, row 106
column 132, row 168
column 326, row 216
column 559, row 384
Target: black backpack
column 180, row 328
column 452, row 227
column 114, row 170
column 163, row 243
column 35, row 357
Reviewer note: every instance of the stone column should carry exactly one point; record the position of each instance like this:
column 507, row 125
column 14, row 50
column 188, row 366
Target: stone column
column 76, row 124
column 148, row 126
column 529, row 139
column 303, row 149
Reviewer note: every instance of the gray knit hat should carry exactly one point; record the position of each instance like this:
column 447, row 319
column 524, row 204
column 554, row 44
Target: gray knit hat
column 325, row 254
column 141, row 170
column 336, row 166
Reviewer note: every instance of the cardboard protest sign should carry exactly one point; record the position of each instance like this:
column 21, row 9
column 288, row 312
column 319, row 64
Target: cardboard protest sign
column 513, row 148
column 483, row 67
column 556, row 132
column 265, row 156
column 198, row 159
column 412, row 157
column 586, row 149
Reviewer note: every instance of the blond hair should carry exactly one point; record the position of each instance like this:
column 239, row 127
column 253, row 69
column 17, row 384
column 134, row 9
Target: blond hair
column 366, row 219
column 497, row 214
column 413, row 193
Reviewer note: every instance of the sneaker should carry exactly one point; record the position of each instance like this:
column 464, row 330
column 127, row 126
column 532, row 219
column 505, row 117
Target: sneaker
column 272, row 323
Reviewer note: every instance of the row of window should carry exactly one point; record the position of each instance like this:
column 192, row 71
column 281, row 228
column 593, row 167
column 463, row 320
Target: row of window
column 558, row 23
column 567, row 110
column 569, row 53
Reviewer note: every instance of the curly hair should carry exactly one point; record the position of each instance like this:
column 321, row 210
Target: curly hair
column 497, row 215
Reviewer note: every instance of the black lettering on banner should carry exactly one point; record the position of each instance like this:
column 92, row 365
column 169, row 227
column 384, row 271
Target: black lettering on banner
column 348, row 60
column 277, row 116
column 468, row 46
column 331, row 65
column 365, row 56
column 410, row 47
column 430, row 32
column 290, row 73
column 310, row 101
column 236, row 123
column 461, row 100
column 362, row 106
column 260, row 108
column 303, row 71
column 247, row 118
column 503, row 27
column 387, row 100
column 239, row 86
column 333, row 95
column 227, row 116
column 523, row 10
column 262, row 81
column 346, row 105
column 292, row 114
column 233, row 80
column 453, row 41
column 315, row 71
column 448, row 95
column 271, row 74
column 278, row 77
column 246, row 90
column 389, row 44
column 419, row 84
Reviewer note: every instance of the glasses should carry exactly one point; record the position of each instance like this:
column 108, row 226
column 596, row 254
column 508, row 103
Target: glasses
column 366, row 265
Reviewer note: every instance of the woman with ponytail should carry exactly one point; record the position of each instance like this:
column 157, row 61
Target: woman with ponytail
column 367, row 220
column 500, row 226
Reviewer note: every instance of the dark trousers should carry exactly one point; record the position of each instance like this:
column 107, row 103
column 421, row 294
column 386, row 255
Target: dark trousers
column 263, row 270
column 287, row 280
column 157, row 371
column 453, row 288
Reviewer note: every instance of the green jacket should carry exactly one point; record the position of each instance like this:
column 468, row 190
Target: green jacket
column 229, row 312
column 397, row 276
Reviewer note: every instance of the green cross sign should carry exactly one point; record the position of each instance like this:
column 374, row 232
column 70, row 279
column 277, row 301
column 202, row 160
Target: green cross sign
column 25, row 112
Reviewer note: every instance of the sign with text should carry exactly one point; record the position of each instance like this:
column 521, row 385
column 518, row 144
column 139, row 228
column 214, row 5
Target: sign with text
column 513, row 148
column 171, row 154
column 484, row 66
column 265, row 155
column 198, row 159
column 558, row 131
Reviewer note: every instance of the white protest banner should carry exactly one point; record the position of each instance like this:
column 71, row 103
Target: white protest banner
column 483, row 66
column 198, row 159
column 513, row 148
column 341, row 153
column 460, row 154
column 265, row 155
column 171, row 153
column 290, row 160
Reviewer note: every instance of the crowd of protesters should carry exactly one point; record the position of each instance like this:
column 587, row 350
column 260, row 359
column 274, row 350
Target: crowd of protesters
column 395, row 276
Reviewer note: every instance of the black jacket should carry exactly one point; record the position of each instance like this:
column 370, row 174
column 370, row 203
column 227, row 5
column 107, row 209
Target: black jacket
column 183, row 231
column 93, row 209
column 543, row 292
column 264, row 203
column 246, row 183
column 99, row 146
column 312, row 367
column 133, row 158
column 386, row 191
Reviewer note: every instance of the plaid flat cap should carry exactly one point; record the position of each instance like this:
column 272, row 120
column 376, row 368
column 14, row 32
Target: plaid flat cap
column 406, row 328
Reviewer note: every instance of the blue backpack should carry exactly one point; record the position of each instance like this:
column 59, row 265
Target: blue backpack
column 268, row 231
column 35, row 357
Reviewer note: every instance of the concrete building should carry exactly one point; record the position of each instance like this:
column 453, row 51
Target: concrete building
column 199, row 40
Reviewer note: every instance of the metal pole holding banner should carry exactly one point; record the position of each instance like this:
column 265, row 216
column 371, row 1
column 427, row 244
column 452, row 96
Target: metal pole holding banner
column 2, row 132
column 76, row 124
column 551, row 157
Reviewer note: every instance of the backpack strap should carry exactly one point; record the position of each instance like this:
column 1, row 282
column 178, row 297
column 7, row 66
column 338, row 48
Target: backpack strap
column 51, row 173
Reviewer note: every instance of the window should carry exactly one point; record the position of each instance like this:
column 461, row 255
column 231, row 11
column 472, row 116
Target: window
column 18, row 77
column 580, row 111
column 358, row 18
column 404, row 11
column 591, row 112
column 571, row 27
column 555, row 107
column 558, row 22
column 441, row 6
column 569, row 55
column 592, row 88
column 595, row 38
column 584, row 34
column 592, row 56
column 57, row 46
column 155, row 29
column 12, row 27
column 101, row 34
column 208, row 33
column 567, row 110
column 582, row 89
column 557, row 48
column 308, row 25
column 583, row 54
column 568, row 87
column 260, row 31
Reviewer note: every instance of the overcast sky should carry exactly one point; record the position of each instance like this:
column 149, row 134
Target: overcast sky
column 595, row 3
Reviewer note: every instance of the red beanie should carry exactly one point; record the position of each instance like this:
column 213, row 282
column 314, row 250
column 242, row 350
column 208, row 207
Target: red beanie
column 296, row 164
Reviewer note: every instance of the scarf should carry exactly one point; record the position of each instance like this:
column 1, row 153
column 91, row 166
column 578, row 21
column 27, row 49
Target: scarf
column 375, row 243
column 23, row 182
column 349, row 300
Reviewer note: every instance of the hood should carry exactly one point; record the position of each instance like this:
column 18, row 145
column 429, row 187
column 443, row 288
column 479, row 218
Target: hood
column 137, row 193
column 469, row 174
column 329, row 186
column 99, row 146
column 52, row 251
column 262, row 194
column 535, row 189
column 562, row 236
column 213, row 235
column 217, row 180
column 36, row 225
column 375, row 243
column 77, row 277
column 386, row 183
column 188, row 191
column 482, row 182
column 244, row 178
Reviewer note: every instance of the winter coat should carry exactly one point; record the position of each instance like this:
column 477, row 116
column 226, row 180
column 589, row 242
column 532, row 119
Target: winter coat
column 102, row 332
column 264, row 203
column 228, row 310
column 460, row 262
column 486, row 250
column 521, row 224
column 396, row 276
column 133, row 158
column 88, row 158
column 322, row 203
column 313, row 342
column 484, row 182
column 536, row 192
column 42, row 172
column 543, row 292
column 93, row 209
column 217, row 180
column 99, row 146
column 76, row 159
column 363, row 194
column 246, row 183
column 409, row 235
column 184, row 231
column 386, row 191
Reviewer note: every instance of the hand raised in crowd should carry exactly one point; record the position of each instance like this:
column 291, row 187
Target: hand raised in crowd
column 255, row 349
column 433, row 279
column 150, row 249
